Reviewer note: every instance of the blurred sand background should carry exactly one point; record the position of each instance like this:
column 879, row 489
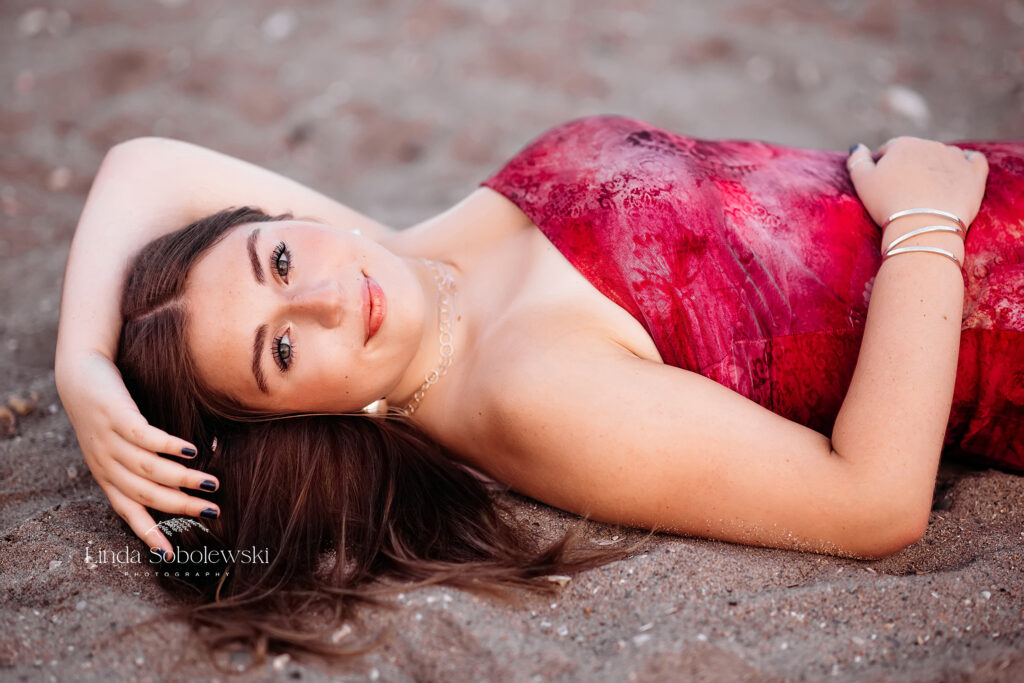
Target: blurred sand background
column 399, row 108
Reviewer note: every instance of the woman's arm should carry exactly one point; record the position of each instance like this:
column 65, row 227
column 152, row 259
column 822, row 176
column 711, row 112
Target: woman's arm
column 625, row 440
column 892, row 423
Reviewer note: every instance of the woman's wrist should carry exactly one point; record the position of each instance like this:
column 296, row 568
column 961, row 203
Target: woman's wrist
column 69, row 364
column 948, row 241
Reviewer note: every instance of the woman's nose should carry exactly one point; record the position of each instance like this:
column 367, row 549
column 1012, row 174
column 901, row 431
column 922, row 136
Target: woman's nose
column 322, row 301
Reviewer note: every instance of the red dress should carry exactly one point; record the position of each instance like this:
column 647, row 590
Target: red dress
column 752, row 264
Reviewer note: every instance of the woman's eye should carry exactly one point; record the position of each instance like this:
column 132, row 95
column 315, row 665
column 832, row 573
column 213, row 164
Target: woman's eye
column 280, row 260
column 282, row 351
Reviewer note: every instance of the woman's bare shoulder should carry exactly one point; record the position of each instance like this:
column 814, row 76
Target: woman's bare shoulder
column 516, row 381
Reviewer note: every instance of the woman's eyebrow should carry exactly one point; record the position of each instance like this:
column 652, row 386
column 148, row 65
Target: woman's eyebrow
column 261, row 331
column 257, row 354
column 254, row 259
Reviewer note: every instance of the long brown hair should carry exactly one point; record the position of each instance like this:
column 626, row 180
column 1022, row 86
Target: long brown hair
column 314, row 509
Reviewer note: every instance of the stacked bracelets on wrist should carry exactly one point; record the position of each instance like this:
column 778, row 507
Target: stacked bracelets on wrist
column 961, row 230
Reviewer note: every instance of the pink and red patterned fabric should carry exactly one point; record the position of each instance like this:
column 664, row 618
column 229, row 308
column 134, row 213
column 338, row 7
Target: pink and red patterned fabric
column 752, row 264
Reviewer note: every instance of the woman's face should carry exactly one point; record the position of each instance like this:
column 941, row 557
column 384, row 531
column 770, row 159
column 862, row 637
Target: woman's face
column 278, row 317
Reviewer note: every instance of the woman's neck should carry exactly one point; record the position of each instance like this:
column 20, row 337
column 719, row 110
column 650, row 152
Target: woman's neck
column 462, row 237
column 443, row 335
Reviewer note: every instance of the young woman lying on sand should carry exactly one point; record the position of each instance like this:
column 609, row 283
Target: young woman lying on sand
column 640, row 327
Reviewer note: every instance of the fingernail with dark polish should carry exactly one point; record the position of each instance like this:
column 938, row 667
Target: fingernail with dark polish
column 209, row 513
column 208, row 485
column 188, row 450
column 853, row 148
column 161, row 552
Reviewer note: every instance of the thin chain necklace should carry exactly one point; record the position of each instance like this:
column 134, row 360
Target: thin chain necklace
column 447, row 305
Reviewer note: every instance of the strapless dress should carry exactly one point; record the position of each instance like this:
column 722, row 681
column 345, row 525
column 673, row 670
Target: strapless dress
column 752, row 264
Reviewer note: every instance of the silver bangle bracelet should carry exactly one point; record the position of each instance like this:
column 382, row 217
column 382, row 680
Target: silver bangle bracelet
column 934, row 212
column 921, row 231
column 934, row 250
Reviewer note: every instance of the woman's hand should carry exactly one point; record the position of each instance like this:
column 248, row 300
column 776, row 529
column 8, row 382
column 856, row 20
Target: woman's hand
column 912, row 173
column 121, row 448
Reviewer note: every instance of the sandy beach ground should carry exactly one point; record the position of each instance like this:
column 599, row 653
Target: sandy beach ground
column 399, row 108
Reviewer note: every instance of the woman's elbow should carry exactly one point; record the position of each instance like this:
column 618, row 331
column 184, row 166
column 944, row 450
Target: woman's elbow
column 133, row 151
column 144, row 142
column 890, row 532
column 142, row 160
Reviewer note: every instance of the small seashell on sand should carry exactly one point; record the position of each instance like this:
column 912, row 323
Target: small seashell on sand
column 58, row 179
column 560, row 579
column 21, row 405
column 341, row 634
column 614, row 539
column 8, row 424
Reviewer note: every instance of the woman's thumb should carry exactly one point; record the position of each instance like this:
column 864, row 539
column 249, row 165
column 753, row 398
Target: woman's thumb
column 860, row 160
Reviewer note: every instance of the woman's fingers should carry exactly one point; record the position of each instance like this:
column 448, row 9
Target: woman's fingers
column 918, row 173
column 141, row 522
column 142, row 434
column 978, row 159
column 859, row 161
column 163, row 471
column 152, row 495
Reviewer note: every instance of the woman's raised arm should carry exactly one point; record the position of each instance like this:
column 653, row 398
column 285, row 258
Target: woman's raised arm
column 145, row 188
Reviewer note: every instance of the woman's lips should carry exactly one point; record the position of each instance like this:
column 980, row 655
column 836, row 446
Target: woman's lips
column 374, row 308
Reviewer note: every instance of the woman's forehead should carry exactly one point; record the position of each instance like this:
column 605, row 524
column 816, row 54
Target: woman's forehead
column 221, row 256
column 220, row 296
